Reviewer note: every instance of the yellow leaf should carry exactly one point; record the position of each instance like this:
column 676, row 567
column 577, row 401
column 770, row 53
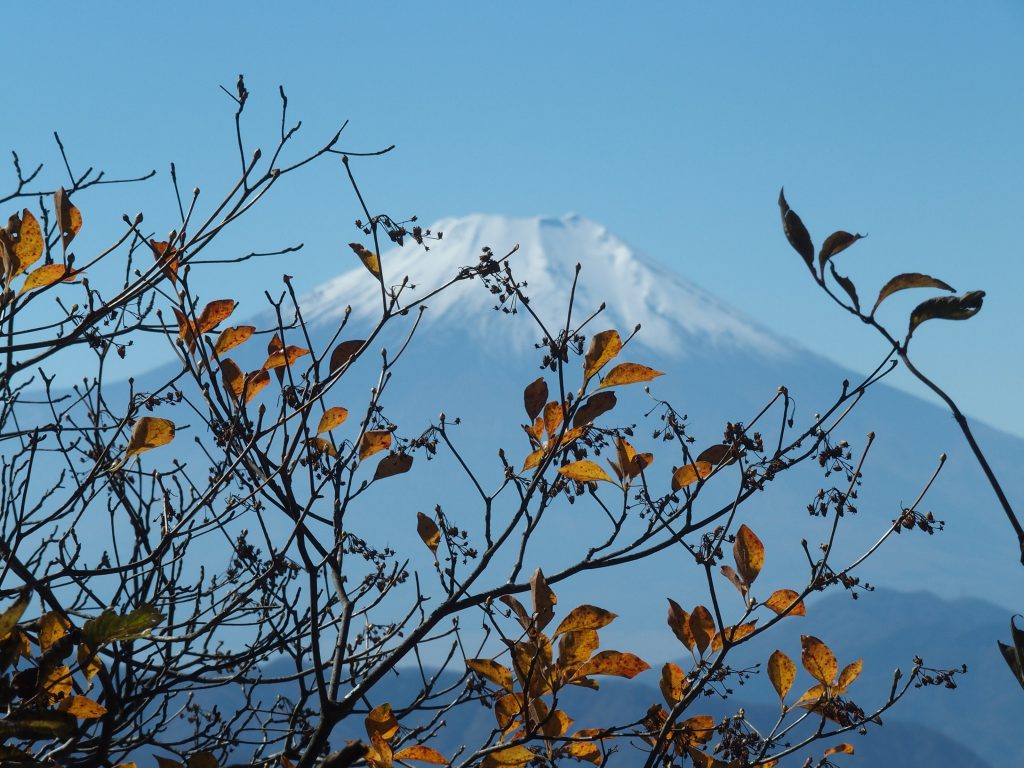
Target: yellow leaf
column 369, row 258
column 533, row 459
column 534, row 397
column 10, row 617
column 27, row 238
column 491, row 670
column 614, row 663
column 373, row 442
column 733, row 634
column 584, row 617
column 585, row 750
column 782, row 599
column 324, row 446
column 702, row 626
column 553, row 415
column 284, row 357
column 393, row 464
column 381, row 723
column 126, row 765
column 48, row 274
column 254, row 382
column 688, row 474
column 421, row 753
column 58, row 682
column 603, row 347
column 333, row 417
column 818, row 659
column 811, row 696
column 748, row 552
column 428, row 531
column 781, row 672
column 149, row 432
column 69, row 218
column 510, row 756
column 166, row 257
column 850, row 673
column 231, row 337
column 507, row 710
column 344, row 352
column 82, row 707
column 697, row 730
column 584, row 472
column 839, row 749
column 89, row 662
column 673, row 683
column 629, row 373
column 52, row 627
column 575, row 648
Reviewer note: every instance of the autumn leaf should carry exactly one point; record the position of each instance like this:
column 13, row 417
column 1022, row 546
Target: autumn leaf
column 284, row 357
column 231, row 337
column 57, row 682
column 585, row 750
column 110, row 627
column 544, row 600
column 748, row 552
column 509, row 756
column 732, row 634
column 202, row 759
column 214, row 313
column 697, row 730
column 393, row 464
column 232, row 376
column 324, row 446
column 149, row 432
column 11, row 615
column 380, row 723
column 850, row 673
column 614, row 663
column 596, row 405
column 947, row 308
column 679, row 623
column 781, row 672
column 52, row 627
column 517, row 608
column 584, row 617
column 575, row 647
column 48, row 274
column 32, row 724
column 673, row 683
column 534, row 397
column 702, row 627
column 166, row 256
column 818, row 659
column 628, row 373
column 421, row 753
column 254, row 382
column 344, row 352
column 782, row 599
column 533, row 459
column 796, row 233
column 604, row 346
column 428, row 532
column 491, row 670
column 26, row 237
column 372, row 442
column 718, row 455
column 370, row 259
column 553, row 415
column 839, row 749
column 82, row 707
column 333, row 417
column 584, row 471
column 734, row 579
column 69, row 218
column 835, row 243
column 507, row 709
column 909, row 280
column 688, row 474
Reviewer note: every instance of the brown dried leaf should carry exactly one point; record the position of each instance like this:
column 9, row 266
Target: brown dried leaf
column 718, row 455
column 702, row 627
column 345, row 352
column 393, row 464
column 544, row 600
column 553, row 415
column 69, row 218
column 534, row 397
column 748, row 552
column 284, row 357
column 909, row 280
column 324, row 446
column 947, row 308
column 679, row 623
column 796, row 232
column 232, row 376
column 614, row 663
column 596, row 405
column 835, row 243
column 254, row 382
column 166, row 257
column 673, row 684
column 734, row 579
column 628, row 373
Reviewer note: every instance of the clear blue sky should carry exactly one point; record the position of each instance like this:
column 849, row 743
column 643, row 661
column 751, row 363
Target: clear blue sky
column 672, row 123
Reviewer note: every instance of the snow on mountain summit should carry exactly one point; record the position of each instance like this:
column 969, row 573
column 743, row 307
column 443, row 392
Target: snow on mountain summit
column 677, row 316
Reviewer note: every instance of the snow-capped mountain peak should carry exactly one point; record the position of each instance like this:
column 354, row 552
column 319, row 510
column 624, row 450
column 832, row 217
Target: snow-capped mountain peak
column 678, row 318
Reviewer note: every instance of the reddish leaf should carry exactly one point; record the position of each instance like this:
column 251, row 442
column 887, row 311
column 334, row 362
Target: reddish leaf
column 284, row 357
column 167, row 257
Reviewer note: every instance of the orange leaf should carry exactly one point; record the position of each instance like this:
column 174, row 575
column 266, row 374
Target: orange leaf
column 149, row 432
column 373, row 442
column 850, row 673
column 584, row 617
column 811, row 696
column 82, row 707
column 584, row 472
column 603, row 347
column 370, row 259
column 422, row 753
column 688, row 474
column 214, row 313
column 345, row 352
column 629, row 373
column 510, row 756
column 232, row 376
column 167, row 257
column 491, row 670
column 26, row 237
column 393, row 464
column 507, row 709
column 380, row 722
column 679, row 622
column 697, row 730
column 673, row 684
column 839, row 749
column 553, row 415
column 534, row 397
column 284, row 357
column 733, row 634
column 69, row 218
column 332, row 418
column 585, row 750
column 48, row 274
column 533, row 459
column 748, row 552
column 782, row 599
column 231, row 337
column 702, row 626
column 428, row 531
column 52, row 627
column 254, row 382
column 575, row 648
column 818, row 659
column 614, row 663
column 781, row 672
